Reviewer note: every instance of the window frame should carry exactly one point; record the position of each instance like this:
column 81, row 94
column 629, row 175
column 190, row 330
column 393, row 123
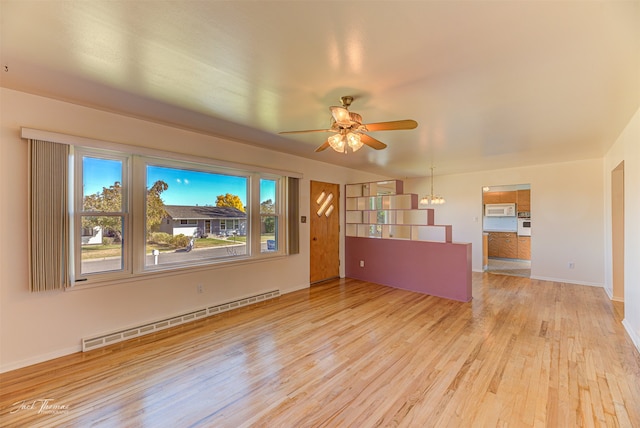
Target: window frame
column 134, row 190
column 142, row 162
column 77, row 212
column 279, row 205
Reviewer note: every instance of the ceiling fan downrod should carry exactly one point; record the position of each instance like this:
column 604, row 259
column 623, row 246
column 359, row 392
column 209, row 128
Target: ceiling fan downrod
column 346, row 101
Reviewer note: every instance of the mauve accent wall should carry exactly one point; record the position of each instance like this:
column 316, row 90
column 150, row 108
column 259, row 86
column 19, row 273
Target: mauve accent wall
column 434, row 268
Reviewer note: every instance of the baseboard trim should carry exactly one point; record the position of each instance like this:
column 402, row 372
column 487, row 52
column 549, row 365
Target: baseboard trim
column 102, row 340
column 39, row 359
column 568, row 281
column 609, row 292
column 635, row 338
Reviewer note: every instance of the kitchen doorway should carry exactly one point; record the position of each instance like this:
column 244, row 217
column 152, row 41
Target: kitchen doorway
column 507, row 229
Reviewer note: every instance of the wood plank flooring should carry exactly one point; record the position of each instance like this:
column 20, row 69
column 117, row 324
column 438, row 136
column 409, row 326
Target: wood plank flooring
column 346, row 353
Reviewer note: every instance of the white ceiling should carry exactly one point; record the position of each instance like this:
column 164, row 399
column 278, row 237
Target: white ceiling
column 492, row 84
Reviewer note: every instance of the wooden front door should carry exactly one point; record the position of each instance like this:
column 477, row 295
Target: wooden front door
column 325, row 231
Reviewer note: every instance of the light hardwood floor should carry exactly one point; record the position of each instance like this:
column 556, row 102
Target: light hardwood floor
column 349, row 353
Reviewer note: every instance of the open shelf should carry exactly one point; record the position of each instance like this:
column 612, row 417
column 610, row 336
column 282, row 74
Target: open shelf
column 380, row 210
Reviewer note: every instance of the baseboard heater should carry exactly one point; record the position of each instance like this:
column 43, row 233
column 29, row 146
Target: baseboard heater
column 91, row 343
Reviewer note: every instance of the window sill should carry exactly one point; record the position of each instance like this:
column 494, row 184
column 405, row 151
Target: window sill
column 172, row 271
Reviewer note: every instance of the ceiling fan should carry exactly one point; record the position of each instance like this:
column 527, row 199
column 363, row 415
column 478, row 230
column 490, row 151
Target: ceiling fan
column 349, row 131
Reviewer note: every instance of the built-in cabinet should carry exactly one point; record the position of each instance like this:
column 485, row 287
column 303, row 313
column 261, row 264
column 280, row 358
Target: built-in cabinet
column 523, row 200
column 503, row 245
column 524, row 247
column 508, row 245
column 503, row 197
column 520, row 197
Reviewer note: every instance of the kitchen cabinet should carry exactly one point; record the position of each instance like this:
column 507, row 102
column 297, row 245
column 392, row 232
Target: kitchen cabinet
column 504, row 197
column 524, row 247
column 485, row 250
column 503, row 245
column 492, row 245
column 524, row 200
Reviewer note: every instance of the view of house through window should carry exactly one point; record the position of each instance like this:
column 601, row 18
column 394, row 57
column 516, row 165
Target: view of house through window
column 194, row 215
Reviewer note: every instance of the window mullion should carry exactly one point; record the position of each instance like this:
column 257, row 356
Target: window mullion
column 138, row 214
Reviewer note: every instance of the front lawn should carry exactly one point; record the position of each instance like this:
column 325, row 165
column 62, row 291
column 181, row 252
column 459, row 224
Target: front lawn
column 114, row 250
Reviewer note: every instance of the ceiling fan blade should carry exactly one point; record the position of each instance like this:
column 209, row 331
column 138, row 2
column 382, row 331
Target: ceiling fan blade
column 306, row 131
column 324, row 146
column 392, row 126
column 372, row 142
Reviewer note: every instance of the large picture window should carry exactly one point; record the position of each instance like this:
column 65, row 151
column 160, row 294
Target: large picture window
column 135, row 215
column 194, row 215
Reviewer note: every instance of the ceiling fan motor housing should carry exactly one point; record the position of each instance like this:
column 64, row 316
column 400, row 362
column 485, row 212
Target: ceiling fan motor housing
column 346, row 101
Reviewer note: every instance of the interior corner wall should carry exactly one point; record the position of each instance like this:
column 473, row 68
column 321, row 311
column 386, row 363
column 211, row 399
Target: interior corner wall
column 38, row 326
column 567, row 211
column 627, row 149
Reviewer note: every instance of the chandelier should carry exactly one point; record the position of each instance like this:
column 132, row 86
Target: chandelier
column 432, row 198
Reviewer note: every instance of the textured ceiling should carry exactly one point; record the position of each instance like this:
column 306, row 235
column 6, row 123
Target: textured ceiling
column 492, row 84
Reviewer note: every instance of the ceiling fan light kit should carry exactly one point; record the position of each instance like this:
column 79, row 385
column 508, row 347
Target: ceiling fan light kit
column 339, row 142
column 349, row 131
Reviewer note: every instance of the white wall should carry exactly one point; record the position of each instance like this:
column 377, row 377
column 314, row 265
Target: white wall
column 567, row 211
column 40, row 326
column 627, row 149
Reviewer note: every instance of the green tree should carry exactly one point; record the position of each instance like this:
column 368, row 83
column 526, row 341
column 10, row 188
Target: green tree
column 229, row 200
column 268, row 207
column 155, row 205
column 109, row 200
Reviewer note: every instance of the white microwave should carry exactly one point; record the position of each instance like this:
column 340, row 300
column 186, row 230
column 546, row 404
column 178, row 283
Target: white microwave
column 500, row 210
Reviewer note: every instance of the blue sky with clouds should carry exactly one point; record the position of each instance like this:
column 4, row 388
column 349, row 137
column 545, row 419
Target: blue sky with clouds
column 186, row 187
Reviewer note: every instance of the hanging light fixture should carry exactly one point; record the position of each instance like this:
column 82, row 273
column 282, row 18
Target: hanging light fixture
column 432, row 198
column 341, row 140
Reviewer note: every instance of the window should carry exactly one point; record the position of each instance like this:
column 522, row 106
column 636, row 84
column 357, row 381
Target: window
column 268, row 215
column 214, row 201
column 230, row 225
column 101, row 214
column 134, row 214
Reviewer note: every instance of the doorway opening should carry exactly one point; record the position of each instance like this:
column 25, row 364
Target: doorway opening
column 617, row 231
column 507, row 229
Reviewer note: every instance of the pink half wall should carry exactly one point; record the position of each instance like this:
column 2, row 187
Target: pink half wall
column 434, row 268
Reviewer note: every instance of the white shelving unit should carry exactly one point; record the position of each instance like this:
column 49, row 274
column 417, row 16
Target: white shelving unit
column 381, row 210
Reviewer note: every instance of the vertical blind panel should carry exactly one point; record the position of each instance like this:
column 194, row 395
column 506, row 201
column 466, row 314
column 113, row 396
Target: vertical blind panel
column 293, row 226
column 49, row 221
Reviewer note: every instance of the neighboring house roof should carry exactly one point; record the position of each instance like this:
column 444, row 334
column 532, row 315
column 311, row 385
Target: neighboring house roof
column 184, row 212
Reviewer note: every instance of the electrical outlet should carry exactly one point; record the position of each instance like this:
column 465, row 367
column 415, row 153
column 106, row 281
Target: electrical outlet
column 361, row 263
column 200, row 288
column 572, row 265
